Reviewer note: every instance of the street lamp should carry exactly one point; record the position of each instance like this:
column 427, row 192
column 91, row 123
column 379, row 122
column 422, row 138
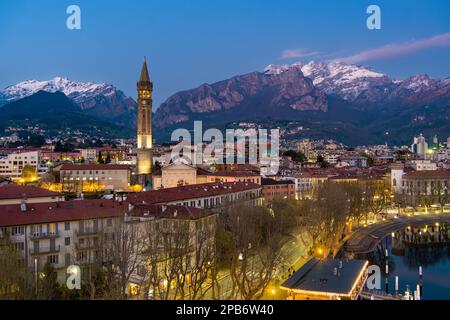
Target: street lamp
column 36, row 275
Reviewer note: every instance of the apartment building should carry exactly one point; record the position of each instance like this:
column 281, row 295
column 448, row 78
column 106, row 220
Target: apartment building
column 13, row 161
column 277, row 189
column 213, row 196
column 428, row 182
column 16, row 194
column 94, row 177
column 421, row 164
column 234, row 176
column 176, row 239
column 59, row 233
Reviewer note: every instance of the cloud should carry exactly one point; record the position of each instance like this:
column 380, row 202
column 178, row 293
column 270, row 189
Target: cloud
column 397, row 50
column 297, row 53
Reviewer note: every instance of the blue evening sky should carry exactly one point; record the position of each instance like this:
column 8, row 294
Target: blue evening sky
column 190, row 42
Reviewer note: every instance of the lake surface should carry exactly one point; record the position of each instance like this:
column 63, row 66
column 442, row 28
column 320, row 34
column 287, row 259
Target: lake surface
column 435, row 262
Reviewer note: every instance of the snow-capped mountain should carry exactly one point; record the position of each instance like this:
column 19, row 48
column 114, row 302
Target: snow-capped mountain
column 77, row 91
column 361, row 85
column 345, row 80
column 99, row 99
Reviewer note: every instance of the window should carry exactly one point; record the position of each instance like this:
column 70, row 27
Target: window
column 35, row 231
column 141, row 270
column 67, row 226
column 20, row 246
column 52, row 228
column 81, row 256
column 67, row 241
column 19, row 230
column 53, row 259
column 109, row 222
column 67, row 259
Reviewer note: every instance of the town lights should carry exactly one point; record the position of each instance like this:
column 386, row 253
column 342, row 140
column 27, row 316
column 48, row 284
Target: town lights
column 320, row 252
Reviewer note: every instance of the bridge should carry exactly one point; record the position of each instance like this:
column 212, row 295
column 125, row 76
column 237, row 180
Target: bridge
column 365, row 240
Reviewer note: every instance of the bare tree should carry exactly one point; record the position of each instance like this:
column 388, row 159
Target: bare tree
column 16, row 280
column 252, row 252
column 123, row 255
column 440, row 193
column 167, row 258
column 324, row 218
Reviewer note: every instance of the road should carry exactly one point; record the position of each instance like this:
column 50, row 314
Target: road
column 294, row 255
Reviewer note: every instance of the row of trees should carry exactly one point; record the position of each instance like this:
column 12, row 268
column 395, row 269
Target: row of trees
column 426, row 194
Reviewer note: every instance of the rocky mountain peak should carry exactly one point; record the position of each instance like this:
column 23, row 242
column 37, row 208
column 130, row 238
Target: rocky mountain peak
column 275, row 88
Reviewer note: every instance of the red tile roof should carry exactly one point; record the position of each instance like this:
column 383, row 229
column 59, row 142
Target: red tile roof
column 234, row 173
column 50, row 212
column 200, row 171
column 18, row 150
column 191, row 192
column 14, row 191
column 428, row 174
column 87, row 166
column 271, row 182
column 169, row 212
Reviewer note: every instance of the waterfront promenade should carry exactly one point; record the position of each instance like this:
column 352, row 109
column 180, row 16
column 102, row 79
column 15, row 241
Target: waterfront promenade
column 366, row 239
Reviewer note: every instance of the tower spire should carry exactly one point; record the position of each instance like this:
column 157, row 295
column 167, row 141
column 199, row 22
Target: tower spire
column 144, row 72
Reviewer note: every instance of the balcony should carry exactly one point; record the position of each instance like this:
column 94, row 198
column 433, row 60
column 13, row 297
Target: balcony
column 44, row 250
column 44, row 235
column 86, row 246
column 87, row 232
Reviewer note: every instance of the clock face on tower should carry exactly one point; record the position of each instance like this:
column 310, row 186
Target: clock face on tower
column 144, row 102
column 145, row 94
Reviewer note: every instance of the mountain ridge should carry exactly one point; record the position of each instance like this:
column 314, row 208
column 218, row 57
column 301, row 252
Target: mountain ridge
column 101, row 100
column 56, row 113
column 275, row 93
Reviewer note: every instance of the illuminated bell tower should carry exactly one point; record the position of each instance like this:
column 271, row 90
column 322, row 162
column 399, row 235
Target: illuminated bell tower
column 144, row 122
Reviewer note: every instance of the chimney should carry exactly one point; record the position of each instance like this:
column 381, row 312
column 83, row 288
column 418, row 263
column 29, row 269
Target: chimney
column 23, row 203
